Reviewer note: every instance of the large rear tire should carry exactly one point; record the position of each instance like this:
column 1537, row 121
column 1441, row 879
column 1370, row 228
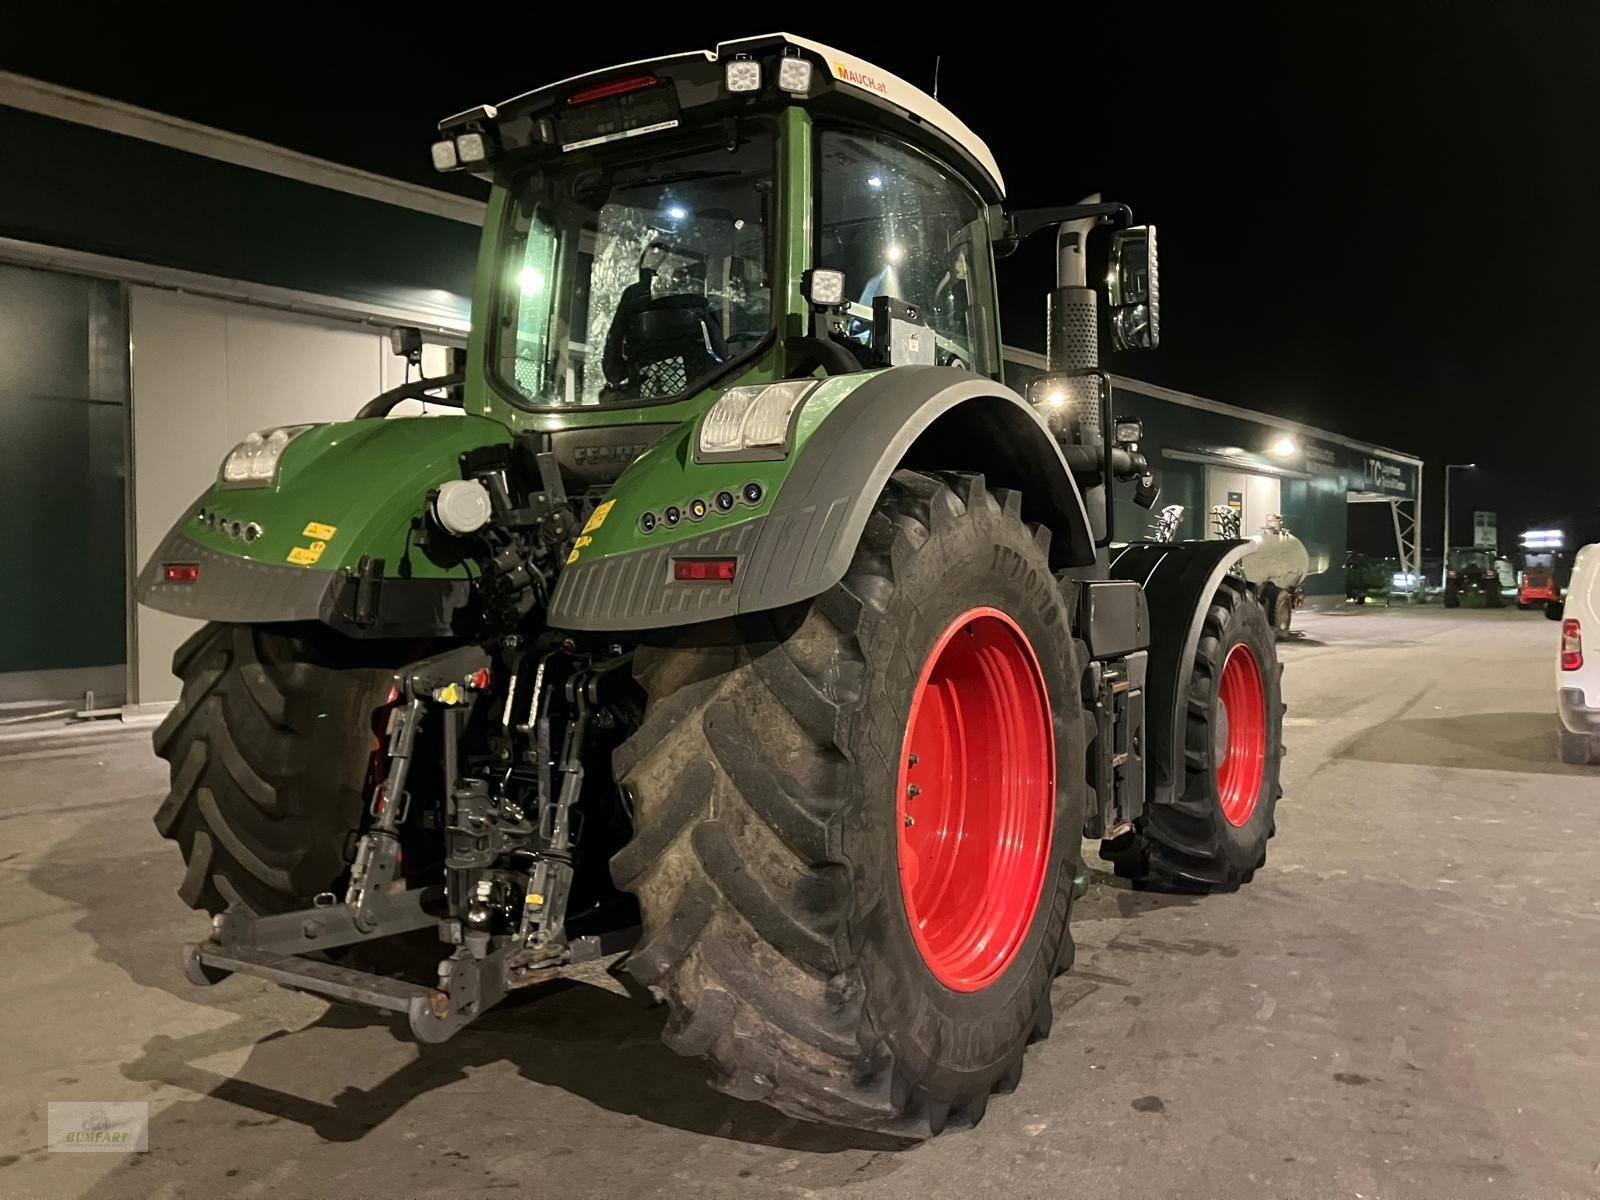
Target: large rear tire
column 778, row 857
column 270, row 746
column 1214, row 836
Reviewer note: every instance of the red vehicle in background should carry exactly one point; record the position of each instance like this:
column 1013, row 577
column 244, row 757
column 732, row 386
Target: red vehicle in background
column 1538, row 585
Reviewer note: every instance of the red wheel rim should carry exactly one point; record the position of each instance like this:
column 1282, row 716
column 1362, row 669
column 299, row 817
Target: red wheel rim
column 1241, row 740
column 976, row 805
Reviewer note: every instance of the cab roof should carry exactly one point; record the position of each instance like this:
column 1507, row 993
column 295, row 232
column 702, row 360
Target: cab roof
column 846, row 69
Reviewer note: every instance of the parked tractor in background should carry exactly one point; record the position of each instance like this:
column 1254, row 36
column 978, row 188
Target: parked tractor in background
column 1472, row 580
column 743, row 621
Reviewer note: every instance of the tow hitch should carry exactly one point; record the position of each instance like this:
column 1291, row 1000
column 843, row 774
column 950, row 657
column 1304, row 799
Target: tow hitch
column 483, row 833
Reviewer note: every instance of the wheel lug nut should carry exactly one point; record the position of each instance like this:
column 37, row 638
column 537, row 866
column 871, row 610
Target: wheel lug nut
column 914, row 760
column 910, row 820
column 913, row 791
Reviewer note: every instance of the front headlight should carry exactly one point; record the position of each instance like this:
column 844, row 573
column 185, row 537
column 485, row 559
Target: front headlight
column 752, row 418
column 254, row 461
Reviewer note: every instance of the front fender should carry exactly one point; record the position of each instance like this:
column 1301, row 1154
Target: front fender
column 1179, row 579
column 852, row 434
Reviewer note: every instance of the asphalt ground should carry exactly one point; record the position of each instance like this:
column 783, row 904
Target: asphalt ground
column 1405, row 1002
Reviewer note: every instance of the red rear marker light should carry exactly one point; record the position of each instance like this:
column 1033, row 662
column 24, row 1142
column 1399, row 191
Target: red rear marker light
column 180, row 572
column 1571, row 645
column 479, row 680
column 704, row 570
column 616, row 87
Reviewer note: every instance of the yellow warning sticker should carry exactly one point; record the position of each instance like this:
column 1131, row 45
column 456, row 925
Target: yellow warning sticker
column 577, row 546
column 319, row 531
column 596, row 519
column 304, row 556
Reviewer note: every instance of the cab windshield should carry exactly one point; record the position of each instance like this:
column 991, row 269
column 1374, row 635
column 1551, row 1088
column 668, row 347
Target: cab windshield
column 634, row 274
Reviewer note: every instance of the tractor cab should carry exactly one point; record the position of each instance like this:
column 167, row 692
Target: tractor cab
column 655, row 229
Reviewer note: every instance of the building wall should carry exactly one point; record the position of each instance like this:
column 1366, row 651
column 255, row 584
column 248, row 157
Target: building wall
column 1312, row 507
column 1190, row 441
column 206, row 373
column 63, row 420
column 99, row 191
column 109, row 212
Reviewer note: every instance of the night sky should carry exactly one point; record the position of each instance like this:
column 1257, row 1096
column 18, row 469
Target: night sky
column 1380, row 220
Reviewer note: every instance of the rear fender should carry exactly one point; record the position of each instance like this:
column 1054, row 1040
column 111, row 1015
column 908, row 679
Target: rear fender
column 1179, row 579
column 799, row 541
column 331, row 539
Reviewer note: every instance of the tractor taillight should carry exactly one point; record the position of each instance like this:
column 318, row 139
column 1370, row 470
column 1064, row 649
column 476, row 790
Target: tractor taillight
column 1571, row 645
column 704, row 570
column 189, row 572
column 616, row 87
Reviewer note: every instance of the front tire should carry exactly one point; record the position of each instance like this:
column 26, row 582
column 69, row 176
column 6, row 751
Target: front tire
column 771, row 850
column 1214, row 836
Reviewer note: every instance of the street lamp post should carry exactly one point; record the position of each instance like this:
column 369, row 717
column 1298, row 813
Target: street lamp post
column 1444, row 567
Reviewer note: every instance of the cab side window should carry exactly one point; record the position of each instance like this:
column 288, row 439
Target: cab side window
column 899, row 224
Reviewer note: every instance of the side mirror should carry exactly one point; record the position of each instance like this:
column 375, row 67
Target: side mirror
column 1134, row 289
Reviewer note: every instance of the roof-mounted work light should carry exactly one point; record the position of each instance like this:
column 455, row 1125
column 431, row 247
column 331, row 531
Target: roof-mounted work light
column 469, row 139
column 742, row 74
column 794, row 74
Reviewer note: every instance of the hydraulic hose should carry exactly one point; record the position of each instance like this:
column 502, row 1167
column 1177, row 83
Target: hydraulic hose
column 383, row 404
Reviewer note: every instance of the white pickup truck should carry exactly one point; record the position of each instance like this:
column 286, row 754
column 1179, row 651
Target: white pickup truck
column 1577, row 671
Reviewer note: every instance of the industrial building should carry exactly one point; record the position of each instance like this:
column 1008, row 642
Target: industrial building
column 1209, row 454
column 165, row 289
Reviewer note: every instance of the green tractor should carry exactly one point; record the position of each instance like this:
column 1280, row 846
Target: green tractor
column 1471, row 579
column 743, row 624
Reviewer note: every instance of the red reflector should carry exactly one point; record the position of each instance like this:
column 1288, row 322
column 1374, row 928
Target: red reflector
column 180, row 572
column 1571, row 645
column 615, row 87
column 479, row 679
column 704, row 570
